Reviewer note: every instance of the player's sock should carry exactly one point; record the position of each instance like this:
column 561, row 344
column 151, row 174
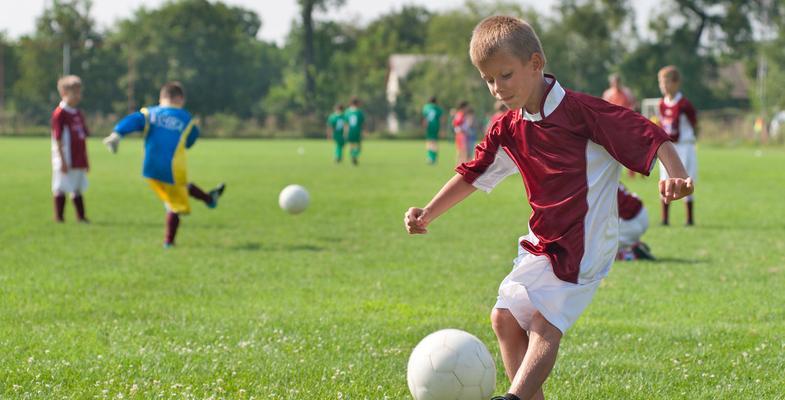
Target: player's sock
column 690, row 221
column 172, row 222
column 432, row 156
column 665, row 209
column 79, row 205
column 197, row 193
column 355, row 152
column 59, row 207
column 338, row 152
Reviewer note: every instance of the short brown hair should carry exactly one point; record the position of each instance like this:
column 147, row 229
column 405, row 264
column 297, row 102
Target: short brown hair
column 68, row 83
column 172, row 90
column 670, row 73
column 513, row 35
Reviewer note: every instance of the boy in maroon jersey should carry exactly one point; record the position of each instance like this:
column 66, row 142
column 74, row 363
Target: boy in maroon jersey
column 69, row 151
column 679, row 120
column 633, row 223
column 568, row 148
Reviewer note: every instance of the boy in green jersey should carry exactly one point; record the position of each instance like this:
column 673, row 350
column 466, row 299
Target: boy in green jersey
column 335, row 126
column 431, row 120
column 355, row 118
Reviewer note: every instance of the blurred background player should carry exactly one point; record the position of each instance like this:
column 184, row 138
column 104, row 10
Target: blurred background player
column 633, row 223
column 470, row 127
column 620, row 96
column 355, row 118
column 432, row 121
column 168, row 131
column 69, row 152
column 458, row 120
column 336, row 124
column 679, row 120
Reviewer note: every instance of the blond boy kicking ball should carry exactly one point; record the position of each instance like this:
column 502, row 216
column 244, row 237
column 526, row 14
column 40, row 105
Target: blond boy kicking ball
column 569, row 148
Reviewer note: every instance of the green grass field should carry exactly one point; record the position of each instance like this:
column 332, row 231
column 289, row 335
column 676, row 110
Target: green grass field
column 255, row 303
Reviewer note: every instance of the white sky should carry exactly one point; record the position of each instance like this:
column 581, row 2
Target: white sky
column 18, row 16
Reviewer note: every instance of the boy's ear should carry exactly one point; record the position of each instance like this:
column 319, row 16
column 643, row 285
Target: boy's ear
column 538, row 63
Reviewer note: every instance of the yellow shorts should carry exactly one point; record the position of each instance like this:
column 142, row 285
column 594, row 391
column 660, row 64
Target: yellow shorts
column 175, row 197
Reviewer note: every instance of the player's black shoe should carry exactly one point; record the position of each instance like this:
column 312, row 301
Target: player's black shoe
column 215, row 194
column 642, row 252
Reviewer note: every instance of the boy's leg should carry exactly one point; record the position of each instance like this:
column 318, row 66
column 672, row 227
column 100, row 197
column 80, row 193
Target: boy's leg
column 338, row 151
column 544, row 339
column 432, row 149
column 355, row 151
column 59, row 202
column 513, row 342
column 211, row 198
column 172, row 223
column 79, row 205
column 199, row 194
column 665, row 211
column 690, row 220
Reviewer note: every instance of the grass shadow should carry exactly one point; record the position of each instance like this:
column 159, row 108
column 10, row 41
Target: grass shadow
column 256, row 246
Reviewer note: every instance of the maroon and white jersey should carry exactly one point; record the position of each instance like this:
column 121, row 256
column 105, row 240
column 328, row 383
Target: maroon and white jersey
column 629, row 203
column 68, row 126
column 568, row 156
column 678, row 119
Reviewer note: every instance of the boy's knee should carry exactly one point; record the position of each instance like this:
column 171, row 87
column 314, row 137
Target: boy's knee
column 503, row 321
column 545, row 329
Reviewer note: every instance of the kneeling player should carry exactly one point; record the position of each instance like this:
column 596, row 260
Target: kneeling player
column 633, row 222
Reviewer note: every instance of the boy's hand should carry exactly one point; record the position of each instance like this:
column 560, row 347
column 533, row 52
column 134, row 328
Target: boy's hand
column 415, row 221
column 64, row 168
column 112, row 142
column 675, row 188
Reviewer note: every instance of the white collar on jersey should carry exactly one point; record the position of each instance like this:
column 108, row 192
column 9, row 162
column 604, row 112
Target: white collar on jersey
column 553, row 96
column 65, row 107
column 674, row 100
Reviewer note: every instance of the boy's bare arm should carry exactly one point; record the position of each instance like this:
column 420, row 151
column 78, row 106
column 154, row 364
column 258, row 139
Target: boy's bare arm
column 63, row 167
column 679, row 184
column 456, row 189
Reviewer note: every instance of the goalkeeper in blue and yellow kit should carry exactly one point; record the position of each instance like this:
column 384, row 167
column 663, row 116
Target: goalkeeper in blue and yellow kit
column 168, row 131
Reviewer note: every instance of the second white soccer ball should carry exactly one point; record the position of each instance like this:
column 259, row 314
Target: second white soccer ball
column 451, row 365
column 294, row 199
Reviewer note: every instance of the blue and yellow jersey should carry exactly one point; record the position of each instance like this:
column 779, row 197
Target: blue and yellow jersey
column 167, row 132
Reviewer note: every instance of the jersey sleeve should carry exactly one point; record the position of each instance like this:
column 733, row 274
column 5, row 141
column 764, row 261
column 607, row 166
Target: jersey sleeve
column 627, row 136
column 491, row 163
column 57, row 124
column 192, row 136
column 134, row 122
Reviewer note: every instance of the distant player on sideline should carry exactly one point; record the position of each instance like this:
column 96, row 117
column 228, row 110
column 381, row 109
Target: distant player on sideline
column 458, row 125
column 620, row 96
column 355, row 118
column 69, row 150
column 432, row 121
column 568, row 147
column 336, row 124
column 679, row 120
column 168, row 130
column 633, row 223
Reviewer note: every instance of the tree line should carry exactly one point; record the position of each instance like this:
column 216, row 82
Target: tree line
column 214, row 50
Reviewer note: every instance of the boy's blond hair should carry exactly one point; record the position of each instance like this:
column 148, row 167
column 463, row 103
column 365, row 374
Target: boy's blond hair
column 670, row 73
column 68, row 83
column 510, row 34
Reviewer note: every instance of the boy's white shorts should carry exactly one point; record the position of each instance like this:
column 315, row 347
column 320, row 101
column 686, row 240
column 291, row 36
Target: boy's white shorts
column 532, row 286
column 73, row 181
column 688, row 157
column 631, row 231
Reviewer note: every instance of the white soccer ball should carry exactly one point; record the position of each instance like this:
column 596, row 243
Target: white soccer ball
column 294, row 199
column 451, row 365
